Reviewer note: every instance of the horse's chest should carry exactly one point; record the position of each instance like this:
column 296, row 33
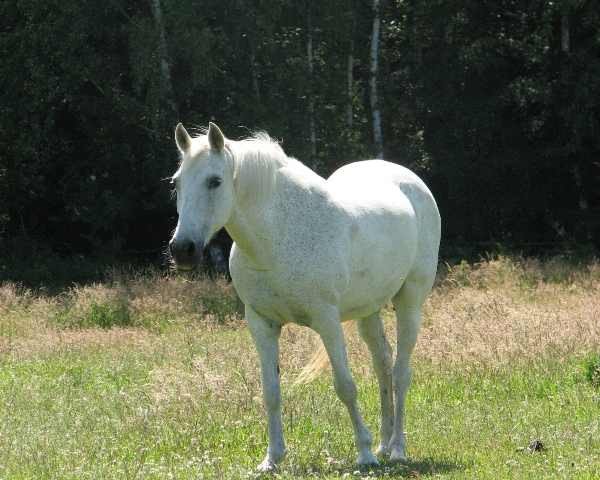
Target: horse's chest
column 274, row 303
column 278, row 297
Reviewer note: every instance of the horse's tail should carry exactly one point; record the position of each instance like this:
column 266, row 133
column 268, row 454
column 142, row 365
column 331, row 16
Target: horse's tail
column 318, row 362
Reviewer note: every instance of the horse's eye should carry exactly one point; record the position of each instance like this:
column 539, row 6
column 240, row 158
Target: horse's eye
column 213, row 182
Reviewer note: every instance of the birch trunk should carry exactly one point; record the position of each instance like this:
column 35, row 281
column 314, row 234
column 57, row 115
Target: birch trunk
column 565, row 33
column 583, row 204
column 416, row 46
column 350, row 86
column 377, row 130
column 350, row 71
column 163, row 54
column 254, row 72
column 253, row 40
column 311, row 99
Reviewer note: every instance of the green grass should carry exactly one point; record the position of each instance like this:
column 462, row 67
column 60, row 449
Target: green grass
column 592, row 369
column 154, row 376
column 95, row 414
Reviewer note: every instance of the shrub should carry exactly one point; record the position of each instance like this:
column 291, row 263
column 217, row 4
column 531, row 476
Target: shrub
column 94, row 306
column 592, row 370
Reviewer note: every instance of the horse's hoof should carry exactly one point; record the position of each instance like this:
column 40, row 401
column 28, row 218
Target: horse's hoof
column 382, row 451
column 267, row 466
column 366, row 459
column 398, row 455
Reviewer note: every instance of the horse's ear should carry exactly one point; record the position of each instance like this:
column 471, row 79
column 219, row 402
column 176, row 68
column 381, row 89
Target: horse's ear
column 182, row 138
column 216, row 139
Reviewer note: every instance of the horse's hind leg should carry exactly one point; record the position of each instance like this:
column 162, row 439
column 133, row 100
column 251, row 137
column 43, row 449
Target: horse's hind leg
column 332, row 335
column 372, row 332
column 407, row 302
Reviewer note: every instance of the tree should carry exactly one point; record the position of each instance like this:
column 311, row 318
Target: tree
column 374, row 97
column 495, row 103
column 311, row 79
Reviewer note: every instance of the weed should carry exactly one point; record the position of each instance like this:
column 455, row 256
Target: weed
column 591, row 368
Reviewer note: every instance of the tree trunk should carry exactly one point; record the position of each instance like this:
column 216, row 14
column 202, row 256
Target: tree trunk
column 377, row 130
column 350, row 86
column 565, row 33
column 254, row 72
column 253, row 40
column 163, row 54
column 413, row 18
column 583, row 204
column 311, row 99
column 350, row 72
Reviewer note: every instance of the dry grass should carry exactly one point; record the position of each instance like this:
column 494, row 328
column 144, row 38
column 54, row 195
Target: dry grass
column 122, row 312
column 154, row 375
column 505, row 310
column 50, row 341
column 492, row 312
column 202, row 375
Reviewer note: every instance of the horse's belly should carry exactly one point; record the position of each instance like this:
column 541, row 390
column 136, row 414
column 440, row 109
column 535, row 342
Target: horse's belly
column 383, row 253
column 369, row 292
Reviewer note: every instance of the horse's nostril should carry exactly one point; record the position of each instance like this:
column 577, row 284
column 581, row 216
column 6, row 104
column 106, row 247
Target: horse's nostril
column 190, row 249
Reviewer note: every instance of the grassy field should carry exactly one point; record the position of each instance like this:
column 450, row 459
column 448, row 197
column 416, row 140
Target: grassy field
column 153, row 375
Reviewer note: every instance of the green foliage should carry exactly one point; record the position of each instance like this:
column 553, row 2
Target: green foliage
column 107, row 315
column 46, row 269
column 96, row 309
column 592, row 370
column 146, row 299
column 503, row 122
column 479, row 97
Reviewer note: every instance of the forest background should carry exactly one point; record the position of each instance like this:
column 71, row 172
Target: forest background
column 495, row 103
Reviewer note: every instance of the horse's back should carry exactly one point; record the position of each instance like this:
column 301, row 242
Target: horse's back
column 372, row 175
column 378, row 181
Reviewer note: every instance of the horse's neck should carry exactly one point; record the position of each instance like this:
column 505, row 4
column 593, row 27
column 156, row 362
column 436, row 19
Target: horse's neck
column 252, row 234
column 253, row 226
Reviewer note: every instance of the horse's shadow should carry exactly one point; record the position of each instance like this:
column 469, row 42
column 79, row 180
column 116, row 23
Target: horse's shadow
column 417, row 467
column 409, row 469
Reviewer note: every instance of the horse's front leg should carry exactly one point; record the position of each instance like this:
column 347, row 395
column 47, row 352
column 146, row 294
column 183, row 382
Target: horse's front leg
column 266, row 339
column 332, row 335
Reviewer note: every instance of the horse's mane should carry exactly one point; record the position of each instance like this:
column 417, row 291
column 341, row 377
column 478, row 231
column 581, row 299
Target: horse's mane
column 255, row 163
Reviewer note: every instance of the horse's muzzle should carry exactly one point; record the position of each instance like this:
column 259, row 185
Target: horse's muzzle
column 185, row 254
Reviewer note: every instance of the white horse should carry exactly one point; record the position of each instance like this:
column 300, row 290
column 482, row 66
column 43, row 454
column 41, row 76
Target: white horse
column 314, row 252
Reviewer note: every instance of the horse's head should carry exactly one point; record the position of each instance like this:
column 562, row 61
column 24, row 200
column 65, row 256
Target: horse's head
column 205, row 193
